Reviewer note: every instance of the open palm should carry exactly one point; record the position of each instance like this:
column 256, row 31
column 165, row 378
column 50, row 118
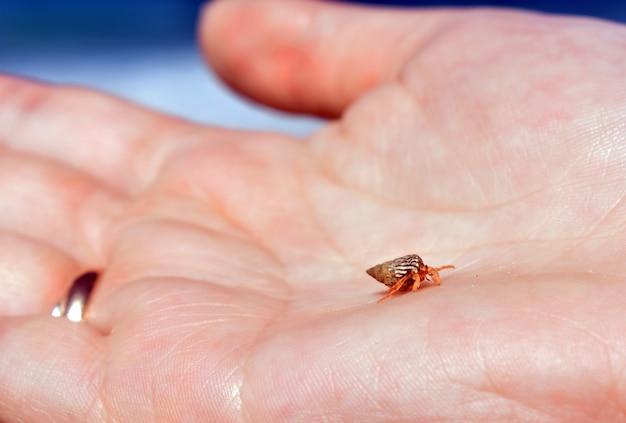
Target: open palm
column 233, row 264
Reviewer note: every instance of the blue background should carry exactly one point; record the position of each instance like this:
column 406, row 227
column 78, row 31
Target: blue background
column 614, row 10
column 145, row 51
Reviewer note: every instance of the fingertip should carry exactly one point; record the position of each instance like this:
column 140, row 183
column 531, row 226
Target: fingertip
column 309, row 56
column 259, row 49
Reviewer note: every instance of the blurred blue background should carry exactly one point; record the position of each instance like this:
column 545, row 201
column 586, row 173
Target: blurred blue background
column 145, row 50
column 606, row 9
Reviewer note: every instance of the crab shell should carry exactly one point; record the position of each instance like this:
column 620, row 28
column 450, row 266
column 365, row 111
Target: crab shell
column 390, row 272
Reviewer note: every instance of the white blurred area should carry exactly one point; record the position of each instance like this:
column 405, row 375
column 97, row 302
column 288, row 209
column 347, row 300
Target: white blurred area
column 172, row 79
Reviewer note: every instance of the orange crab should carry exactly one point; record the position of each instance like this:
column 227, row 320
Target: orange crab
column 403, row 273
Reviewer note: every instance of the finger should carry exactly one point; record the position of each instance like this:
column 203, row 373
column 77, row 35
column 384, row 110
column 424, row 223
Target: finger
column 49, row 371
column 307, row 56
column 51, row 228
column 114, row 142
column 54, row 205
column 33, row 275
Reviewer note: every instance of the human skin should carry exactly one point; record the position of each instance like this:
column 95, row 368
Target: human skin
column 234, row 285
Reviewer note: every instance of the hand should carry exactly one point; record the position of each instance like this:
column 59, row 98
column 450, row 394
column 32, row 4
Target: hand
column 234, row 285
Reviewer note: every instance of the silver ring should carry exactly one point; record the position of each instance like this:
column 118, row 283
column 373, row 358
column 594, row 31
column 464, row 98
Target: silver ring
column 73, row 305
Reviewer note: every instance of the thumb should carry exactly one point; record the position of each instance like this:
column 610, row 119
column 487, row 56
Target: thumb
column 308, row 56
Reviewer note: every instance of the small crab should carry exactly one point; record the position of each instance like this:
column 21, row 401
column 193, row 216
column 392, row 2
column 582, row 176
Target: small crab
column 403, row 273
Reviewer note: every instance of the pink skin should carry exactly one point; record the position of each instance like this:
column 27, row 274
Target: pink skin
column 235, row 287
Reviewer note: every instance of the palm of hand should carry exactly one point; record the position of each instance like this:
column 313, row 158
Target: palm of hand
column 235, row 262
